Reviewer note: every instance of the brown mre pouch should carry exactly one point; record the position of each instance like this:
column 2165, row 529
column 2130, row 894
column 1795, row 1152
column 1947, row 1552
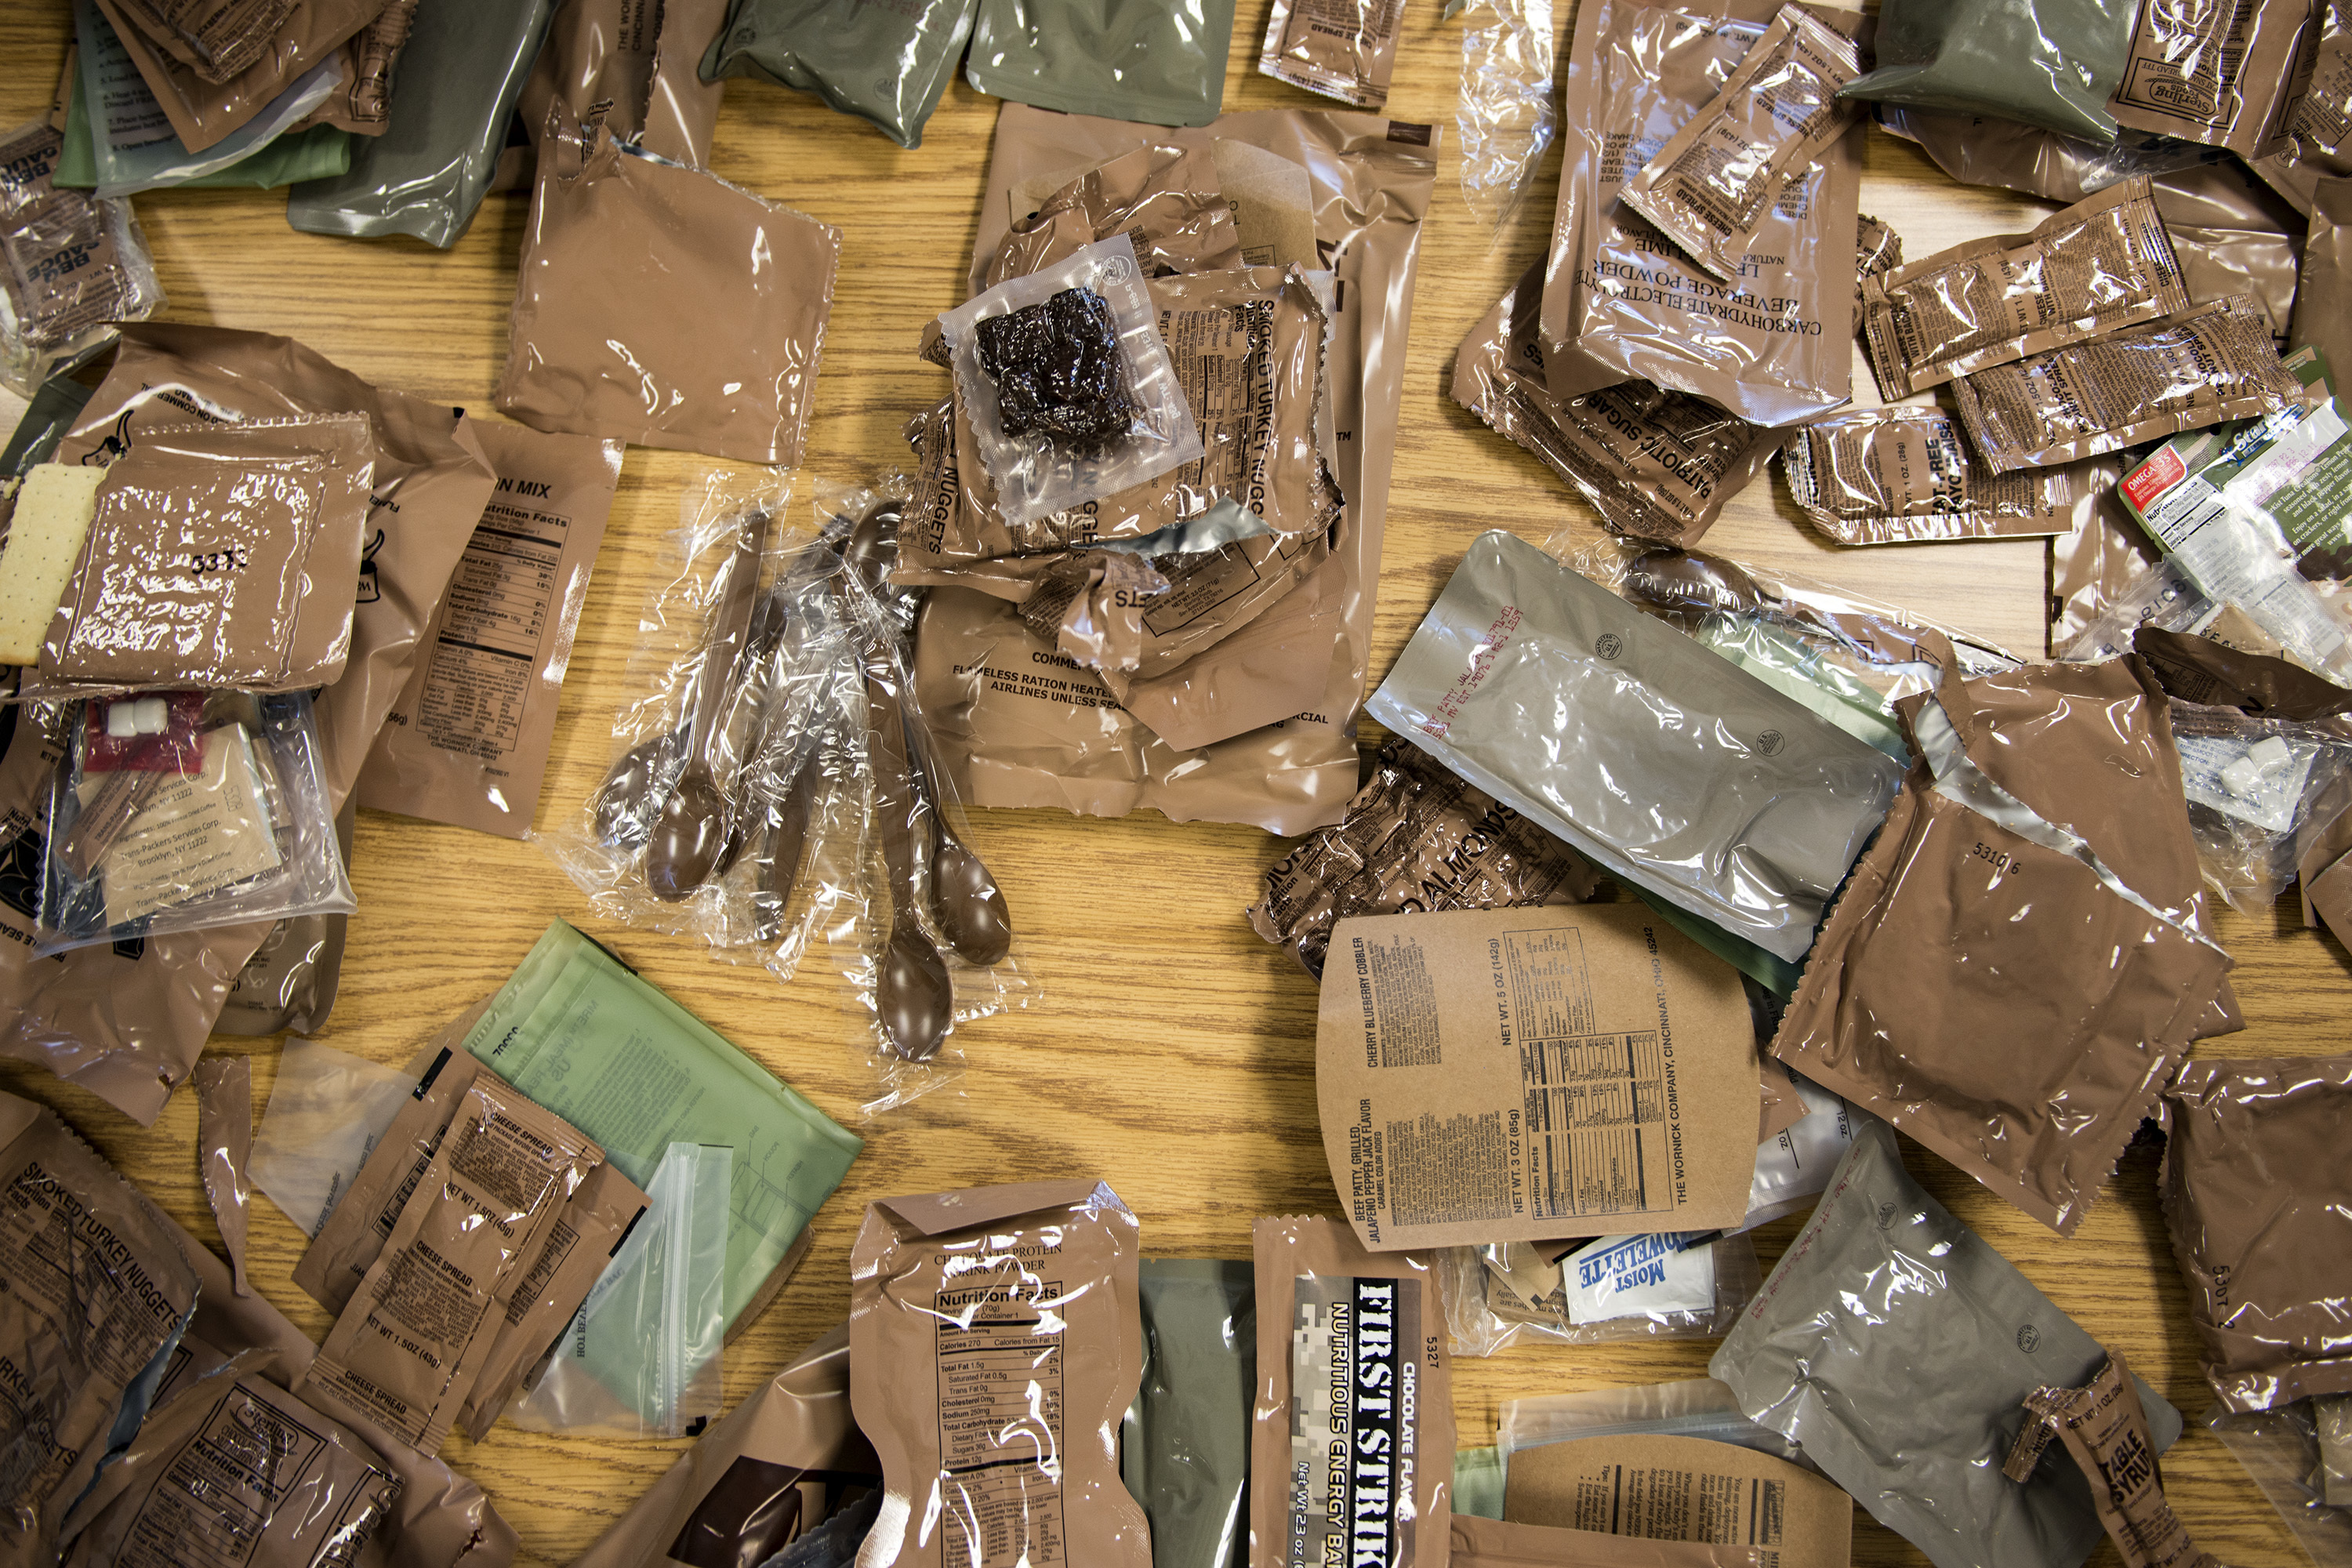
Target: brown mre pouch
column 339, row 1257
column 1654, row 464
column 1352, row 1439
column 1165, row 199
column 2199, row 670
column 1341, row 48
column 1899, row 473
column 2258, row 1200
column 578, row 1244
column 217, row 38
column 407, row 1350
column 467, row 739
column 2323, row 290
column 2102, row 264
column 995, row 1343
column 203, row 112
column 1492, row 1543
column 1876, row 248
column 234, row 1457
column 1415, row 838
column 644, row 59
column 92, row 1290
column 219, row 557
column 663, row 307
column 224, row 1144
column 1711, row 186
column 2227, row 76
column 2105, row 1431
column 2197, row 368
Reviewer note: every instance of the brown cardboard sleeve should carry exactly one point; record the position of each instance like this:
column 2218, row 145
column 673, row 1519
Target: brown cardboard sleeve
column 1493, row 1543
column 1667, row 1487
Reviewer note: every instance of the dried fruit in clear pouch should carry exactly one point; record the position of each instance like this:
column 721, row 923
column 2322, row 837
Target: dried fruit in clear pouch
column 1057, row 370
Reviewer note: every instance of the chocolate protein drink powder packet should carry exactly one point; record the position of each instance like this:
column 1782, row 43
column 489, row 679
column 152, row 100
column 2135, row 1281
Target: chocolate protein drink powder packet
column 2256, row 1198
column 1341, row 48
column 885, row 64
column 1899, row 473
column 2102, row 264
column 2105, row 1432
column 995, row 1346
column 467, row 741
column 1351, row 1443
column 1493, row 1543
column 665, row 307
column 1636, row 746
column 2199, row 367
column 1710, row 188
column 2046, row 63
column 1654, row 464
column 1414, row 838
column 1184, row 1445
column 234, row 1457
column 2199, row 670
column 96, row 1292
column 407, row 1350
column 1897, row 1348
column 224, row 1144
column 2228, row 76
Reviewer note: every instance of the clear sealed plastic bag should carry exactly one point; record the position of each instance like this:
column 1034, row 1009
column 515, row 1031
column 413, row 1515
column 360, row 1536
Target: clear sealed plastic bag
column 1507, row 115
column 183, row 812
column 2251, row 783
column 642, row 1357
column 1693, row 1407
column 1067, row 384
column 328, row 1111
column 1667, row 1286
column 2285, row 1456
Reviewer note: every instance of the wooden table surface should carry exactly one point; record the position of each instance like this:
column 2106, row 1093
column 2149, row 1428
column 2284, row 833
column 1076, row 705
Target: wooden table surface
column 1172, row 1052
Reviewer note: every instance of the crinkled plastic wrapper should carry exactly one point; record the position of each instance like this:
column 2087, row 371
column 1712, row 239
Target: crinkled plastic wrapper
column 1506, row 117
column 75, row 264
column 663, row 307
column 1161, row 62
column 2256, row 1201
column 1667, row 1286
column 2041, row 162
column 2044, row 63
column 1896, row 475
column 1897, row 1349
column 2282, row 1453
column 2254, row 785
column 2228, row 78
column 884, row 64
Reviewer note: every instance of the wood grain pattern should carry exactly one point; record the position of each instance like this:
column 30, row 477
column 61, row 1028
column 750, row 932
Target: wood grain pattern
column 1172, row 1052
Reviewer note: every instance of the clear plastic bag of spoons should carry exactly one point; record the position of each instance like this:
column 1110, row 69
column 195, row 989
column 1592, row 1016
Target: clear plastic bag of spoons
column 942, row 948
column 735, row 801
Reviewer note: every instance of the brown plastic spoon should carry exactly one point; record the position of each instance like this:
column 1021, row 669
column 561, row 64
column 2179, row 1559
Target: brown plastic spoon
column 692, row 832
column 913, row 994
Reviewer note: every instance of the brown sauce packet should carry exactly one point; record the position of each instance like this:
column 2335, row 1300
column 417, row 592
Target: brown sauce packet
column 1899, row 473
column 1341, row 48
column 663, row 307
column 1876, row 248
column 203, row 112
column 1492, row 1543
column 466, row 741
column 1654, row 464
column 2257, row 1197
column 1414, row 838
column 995, row 1343
column 2224, row 76
column 218, row 557
column 2199, row 670
column 578, row 1244
column 1355, row 1406
column 2197, row 368
column 95, row 1288
column 2104, row 1428
column 2102, row 264
column 354, row 1233
column 235, row 1458
column 224, row 1144
column 1710, row 187
column 408, row 1348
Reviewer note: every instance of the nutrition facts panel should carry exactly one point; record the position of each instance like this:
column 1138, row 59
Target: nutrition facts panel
column 1000, row 1414
column 507, row 587
column 1595, row 1104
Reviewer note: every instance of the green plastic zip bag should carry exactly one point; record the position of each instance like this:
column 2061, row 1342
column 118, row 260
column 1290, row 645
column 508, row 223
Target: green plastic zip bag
column 2050, row 63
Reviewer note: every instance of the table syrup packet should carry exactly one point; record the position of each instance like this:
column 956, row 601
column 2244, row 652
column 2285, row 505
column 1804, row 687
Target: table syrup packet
column 1665, row 1285
column 2286, row 1453
column 1901, row 473
column 409, row 1347
column 1351, row 1438
column 1525, row 1075
column 1897, row 1348
column 1494, row 1544
column 1713, row 184
column 1748, row 807
column 2101, row 265
column 2105, row 1429
column 1676, row 1486
column 1341, row 48
column 995, row 1344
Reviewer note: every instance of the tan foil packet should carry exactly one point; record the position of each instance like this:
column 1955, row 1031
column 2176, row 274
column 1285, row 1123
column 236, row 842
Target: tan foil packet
column 2104, row 1428
column 2197, row 368
column 1351, row 1437
column 1415, row 839
column 467, row 739
column 408, row 1348
column 2228, row 75
column 1166, row 199
column 1900, row 473
column 1710, row 188
column 1492, row 1543
column 92, row 1289
column 217, row 38
column 2102, row 264
column 203, row 112
column 995, row 1343
column 578, row 1244
column 1341, row 48
column 1876, row 248
column 2323, row 294
column 224, row 1144
column 1667, row 1487
column 644, row 58
column 1654, row 464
